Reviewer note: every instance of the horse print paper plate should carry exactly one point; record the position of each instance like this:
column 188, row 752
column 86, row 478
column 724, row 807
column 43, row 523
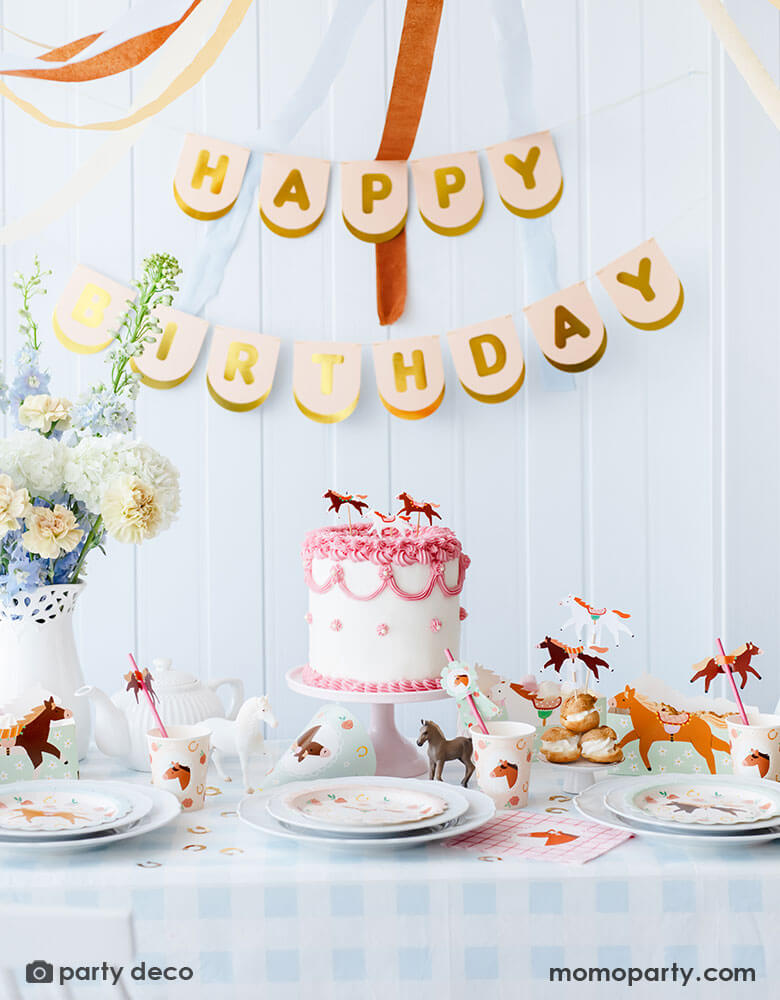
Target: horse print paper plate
column 697, row 802
column 368, row 805
column 42, row 808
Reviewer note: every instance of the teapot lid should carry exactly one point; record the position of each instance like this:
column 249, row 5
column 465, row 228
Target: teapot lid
column 167, row 679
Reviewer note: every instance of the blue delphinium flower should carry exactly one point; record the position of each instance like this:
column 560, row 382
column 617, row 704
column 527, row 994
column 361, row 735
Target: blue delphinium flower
column 100, row 412
column 30, row 380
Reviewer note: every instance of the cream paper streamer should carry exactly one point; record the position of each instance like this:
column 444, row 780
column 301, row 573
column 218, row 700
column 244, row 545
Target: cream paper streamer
column 750, row 67
column 180, row 52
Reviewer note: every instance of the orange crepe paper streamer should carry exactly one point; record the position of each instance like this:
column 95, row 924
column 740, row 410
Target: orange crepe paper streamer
column 410, row 84
column 126, row 55
column 203, row 61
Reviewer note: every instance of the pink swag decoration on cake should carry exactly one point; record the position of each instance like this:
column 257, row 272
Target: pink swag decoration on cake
column 312, row 678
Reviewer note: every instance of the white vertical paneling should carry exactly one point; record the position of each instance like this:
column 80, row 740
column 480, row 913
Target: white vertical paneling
column 652, row 485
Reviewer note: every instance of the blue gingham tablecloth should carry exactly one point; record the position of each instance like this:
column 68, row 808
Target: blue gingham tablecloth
column 257, row 917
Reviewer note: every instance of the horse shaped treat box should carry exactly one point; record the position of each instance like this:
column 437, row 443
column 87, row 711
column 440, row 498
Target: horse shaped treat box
column 661, row 730
column 37, row 739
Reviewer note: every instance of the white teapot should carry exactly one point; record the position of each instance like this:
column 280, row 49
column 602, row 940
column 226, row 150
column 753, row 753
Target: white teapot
column 122, row 721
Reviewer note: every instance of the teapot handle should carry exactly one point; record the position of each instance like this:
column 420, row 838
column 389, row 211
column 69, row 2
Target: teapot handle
column 237, row 697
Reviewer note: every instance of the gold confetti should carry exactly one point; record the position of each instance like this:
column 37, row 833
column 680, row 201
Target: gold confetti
column 560, row 798
column 194, row 847
column 229, row 812
column 211, row 790
column 555, row 809
column 489, row 857
column 198, row 829
column 150, row 864
column 231, row 850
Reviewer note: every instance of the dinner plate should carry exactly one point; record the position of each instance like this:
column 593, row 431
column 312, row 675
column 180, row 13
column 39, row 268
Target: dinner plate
column 252, row 811
column 698, row 802
column 165, row 807
column 367, row 806
column 68, row 807
column 591, row 805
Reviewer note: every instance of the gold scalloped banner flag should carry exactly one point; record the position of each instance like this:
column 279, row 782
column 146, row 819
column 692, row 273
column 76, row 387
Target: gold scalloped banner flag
column 410, row 378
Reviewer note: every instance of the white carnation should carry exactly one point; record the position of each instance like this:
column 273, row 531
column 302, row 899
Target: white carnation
column 33, row 462
column 90, row 466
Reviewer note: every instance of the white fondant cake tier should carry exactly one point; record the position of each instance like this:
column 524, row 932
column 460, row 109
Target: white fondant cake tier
column 383, row 608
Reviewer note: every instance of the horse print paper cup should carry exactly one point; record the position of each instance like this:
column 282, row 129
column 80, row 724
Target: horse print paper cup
column 180, row 762
column 502, row 757
column 755, row 748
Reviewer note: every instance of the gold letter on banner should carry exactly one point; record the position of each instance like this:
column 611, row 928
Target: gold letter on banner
column 644, row 287
column 88, row 312
column 527, row 174
column 449, row 192
column 488, row 359
column 241, row 368
column 326, row 379
column 374, row 199
column 169, row 360
column 208, row 178
column 568, row 328
column 410, row 376
column 293, row 193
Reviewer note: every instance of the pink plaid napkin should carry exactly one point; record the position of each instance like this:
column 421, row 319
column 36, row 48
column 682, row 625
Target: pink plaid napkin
column 543, row 837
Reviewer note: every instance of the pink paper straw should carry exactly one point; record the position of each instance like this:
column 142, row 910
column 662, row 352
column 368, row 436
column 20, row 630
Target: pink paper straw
column 732, row 682
column 470, row 699
column 140, row 678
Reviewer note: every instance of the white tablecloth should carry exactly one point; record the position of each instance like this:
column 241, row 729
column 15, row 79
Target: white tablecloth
column 256, row 917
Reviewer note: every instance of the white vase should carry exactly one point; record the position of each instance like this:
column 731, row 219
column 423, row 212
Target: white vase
column 38, row 649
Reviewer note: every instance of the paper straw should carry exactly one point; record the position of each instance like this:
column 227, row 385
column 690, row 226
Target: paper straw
column 732, row 682
column 470, row 699
column 140, row 678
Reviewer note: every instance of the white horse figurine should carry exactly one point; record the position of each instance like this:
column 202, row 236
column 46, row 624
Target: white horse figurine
column 583, row 617
column 242, row 735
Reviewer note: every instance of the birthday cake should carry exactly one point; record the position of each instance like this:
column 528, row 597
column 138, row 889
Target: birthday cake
column 384, row 604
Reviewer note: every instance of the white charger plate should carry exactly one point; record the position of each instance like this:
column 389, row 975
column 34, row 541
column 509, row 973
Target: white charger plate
column 701, row 802
column 252, row 811
column 591, row 805
column 289, row 805
column 94, row 806
column 165, row 807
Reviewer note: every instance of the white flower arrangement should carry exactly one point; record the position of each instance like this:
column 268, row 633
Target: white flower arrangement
column 70, row 474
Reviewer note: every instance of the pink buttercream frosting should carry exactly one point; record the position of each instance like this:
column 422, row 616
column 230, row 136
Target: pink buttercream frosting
column 404, row 547
column 313, row 678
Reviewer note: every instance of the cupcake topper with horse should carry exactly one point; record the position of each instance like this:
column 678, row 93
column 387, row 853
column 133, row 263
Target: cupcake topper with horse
column 589, row 622
column 559, row 653
column 356, row 501
column 410, row 506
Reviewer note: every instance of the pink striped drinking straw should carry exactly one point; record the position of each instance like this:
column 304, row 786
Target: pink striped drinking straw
column 732, row 682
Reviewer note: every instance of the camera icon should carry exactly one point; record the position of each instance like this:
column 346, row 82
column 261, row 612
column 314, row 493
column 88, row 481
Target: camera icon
column 39, row 972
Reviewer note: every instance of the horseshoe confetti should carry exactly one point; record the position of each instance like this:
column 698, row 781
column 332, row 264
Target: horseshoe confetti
column 489, row 857
column 194, row 847
column 149, row 864
column 211, row 790
column 555, row 809
column 229, row 812
column 560, row 798
column 231, row 850
column 198, row 829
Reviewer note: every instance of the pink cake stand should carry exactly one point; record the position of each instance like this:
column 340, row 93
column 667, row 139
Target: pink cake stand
column 396, row 757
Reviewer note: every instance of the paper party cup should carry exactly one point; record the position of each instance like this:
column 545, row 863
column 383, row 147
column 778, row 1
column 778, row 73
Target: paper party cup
column 755, row 748
column 180, row 762
column 502, row 757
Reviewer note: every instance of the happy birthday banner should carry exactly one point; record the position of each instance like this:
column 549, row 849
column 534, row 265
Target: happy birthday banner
column 374, row 193
column 488, row 356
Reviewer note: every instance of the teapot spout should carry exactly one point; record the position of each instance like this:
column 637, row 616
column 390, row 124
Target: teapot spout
column 112, row 734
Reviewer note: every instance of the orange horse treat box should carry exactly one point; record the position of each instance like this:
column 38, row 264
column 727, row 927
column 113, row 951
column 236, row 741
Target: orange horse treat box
column 37, row 739
column 660, row 729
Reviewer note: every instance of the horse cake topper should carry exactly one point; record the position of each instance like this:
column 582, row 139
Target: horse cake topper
column 589, row 622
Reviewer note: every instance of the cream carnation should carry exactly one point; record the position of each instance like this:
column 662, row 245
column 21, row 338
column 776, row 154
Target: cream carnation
column 33, row 462
column 41, row 412
column 143, row 462
column 131, row 510
column 13, row 504
column 50, row 532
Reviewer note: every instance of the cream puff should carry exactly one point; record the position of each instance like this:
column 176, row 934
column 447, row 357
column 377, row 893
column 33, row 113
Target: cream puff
column 578, row 713
column 598, row 746
column 560, row 746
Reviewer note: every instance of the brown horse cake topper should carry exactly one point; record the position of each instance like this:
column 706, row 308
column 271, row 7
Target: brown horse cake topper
column 419, row 508
column 559, row 653
column 339, row 500
column 180, row 773
column 738, row 660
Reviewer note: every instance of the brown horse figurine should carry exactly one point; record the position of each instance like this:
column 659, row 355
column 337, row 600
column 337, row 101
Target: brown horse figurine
column 180, row 773
column 652, row 724
column 738, row 660
column 413, row 507
column 757, row 759
column 34, row 737
column 505, row 770
column 441, row 749
column 337, row 501
column 560, row 653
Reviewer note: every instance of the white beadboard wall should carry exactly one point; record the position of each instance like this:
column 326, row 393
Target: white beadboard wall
column 653, row 486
